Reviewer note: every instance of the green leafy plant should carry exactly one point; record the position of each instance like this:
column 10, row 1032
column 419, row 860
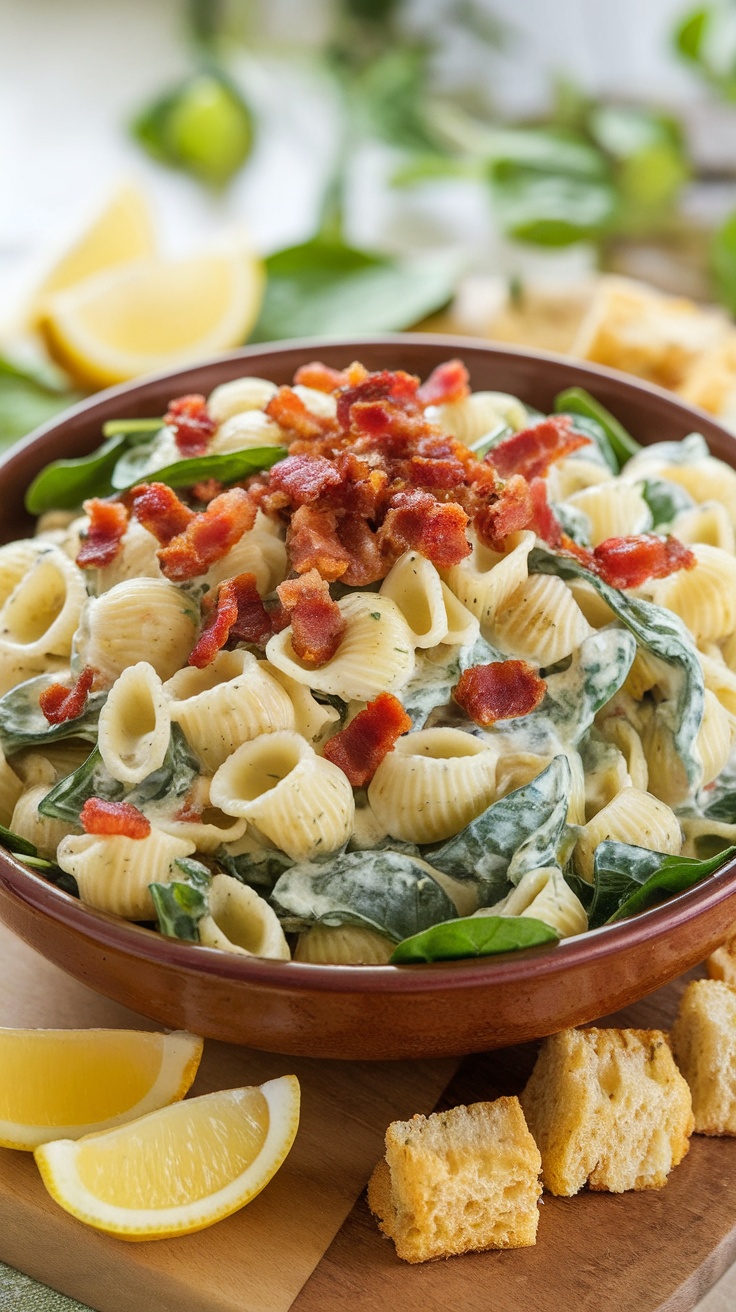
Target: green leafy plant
column 181, row 904
column 473, row 936
column 28, row 398
column 629, row 879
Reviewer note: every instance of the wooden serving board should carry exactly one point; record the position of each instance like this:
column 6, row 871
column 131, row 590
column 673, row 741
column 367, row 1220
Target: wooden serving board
column 307, row 1244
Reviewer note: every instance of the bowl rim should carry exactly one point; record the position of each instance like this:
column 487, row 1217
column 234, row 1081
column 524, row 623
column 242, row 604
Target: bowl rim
column 135, row 940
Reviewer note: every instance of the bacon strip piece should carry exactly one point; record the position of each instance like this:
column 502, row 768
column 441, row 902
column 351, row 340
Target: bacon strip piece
column 511, row 511
column 193, row 426
column 359, row 748
column 60, row 704
column 544, row 520
column 448, row 382
column 396, row 386
column 436, row 529
column 236, row 613
column 532, row 451
column 290, row 413
column 629, row 562
column 317, row 623
column 108, row 521
column 321, row 377
column 208, row 536
column 504, row 690
column 313, row 544
column 305, row 478
column 158, row 508
column 113, row 819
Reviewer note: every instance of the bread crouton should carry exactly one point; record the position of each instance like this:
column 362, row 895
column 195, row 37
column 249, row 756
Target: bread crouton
column 721, row 964
column 607, row 1107
column 704, row 1042
column 457, row 1181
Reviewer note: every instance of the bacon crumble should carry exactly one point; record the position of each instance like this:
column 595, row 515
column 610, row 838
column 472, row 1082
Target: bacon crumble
column 113, row 819
column 108, row 521
column 317, row 623
column 359, row 748
column 629, row 562
column 60, row 704
column 191, row 423
column 417, row 521
column 532, row 451
column 157, row 507
column 504, row 690
column 235, row 613
column 208, row 536
column 447, row 383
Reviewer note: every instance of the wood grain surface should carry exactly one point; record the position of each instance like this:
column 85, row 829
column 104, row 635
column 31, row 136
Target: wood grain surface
column 655, row 1251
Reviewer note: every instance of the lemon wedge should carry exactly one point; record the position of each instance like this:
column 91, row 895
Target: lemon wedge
column 124, row 231
column 61, row 1084
column 177, row 1170
column 153, row 315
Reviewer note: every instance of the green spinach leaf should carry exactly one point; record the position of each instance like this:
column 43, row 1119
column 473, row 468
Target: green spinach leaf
column 181, row 904
column 665, row 501
column 260, row 870
column 576, row 401
column 226, row 467
column 473, row 936
column 23, row 724
column 65, row 484
column 15, row 844
column 628, row 879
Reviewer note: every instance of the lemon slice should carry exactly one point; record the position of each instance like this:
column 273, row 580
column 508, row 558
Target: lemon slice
column 153, row 315
column 177, row 1170
column 122, row 232
column 61, row 1084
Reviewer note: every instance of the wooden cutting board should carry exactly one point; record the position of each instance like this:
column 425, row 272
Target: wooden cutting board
column 657, row 1251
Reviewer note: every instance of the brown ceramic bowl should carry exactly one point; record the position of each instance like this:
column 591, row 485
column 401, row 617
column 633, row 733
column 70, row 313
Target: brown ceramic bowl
column 366, row 1012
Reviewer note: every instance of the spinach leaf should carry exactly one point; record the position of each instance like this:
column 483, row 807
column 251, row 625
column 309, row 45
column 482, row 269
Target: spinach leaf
column 663, row 634
column 23, row 724
column 550, row 209
column 665, row 500
column 596, row 671
column 181, row 904
column 15, row 844
column 135, row 429
column 519, row 832
column 392, row 893
column 591, row 428
column 473, row 936
column 226, row 467
column 260, row 869
column 28, row 398
column 173, row 779
column 65, row 484
column 629, row 879
column 324, row 287
column 576, row 401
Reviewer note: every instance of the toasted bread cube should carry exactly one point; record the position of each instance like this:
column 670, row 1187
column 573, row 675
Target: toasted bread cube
column 458, row 1181
column 704, row 1041
column 721, row 964
column 607, row 1107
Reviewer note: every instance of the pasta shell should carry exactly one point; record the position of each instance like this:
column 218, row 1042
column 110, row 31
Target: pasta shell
column 228, row 703
column 135, row 725
column 323, row 404
column 613, row 509
column 571, row 475
column 541, row 622
column 700, row 835
column 432, row 785
column 41, row 614
column 240, row 921
column 238, row 396
column 720, row 679
column 136, row 558
column 485, row 581
column 706, row 480
column 429, row 607
column 704, row 597
column 714, row 739
column 708, row 523
column 624, row 736
column 140, row 619
column 632, row 817
column 343, row 945
column 113, row 873
column 41, row 830
column 16, row 559
column 259, row 553
column 605, row 776
column 375, row 655
column 544, row 895
column 515, row 769
column 11, row 787
column 251, row 428
column 596, row 611
column 293, row 798
column 312, row 719
column 470, row 419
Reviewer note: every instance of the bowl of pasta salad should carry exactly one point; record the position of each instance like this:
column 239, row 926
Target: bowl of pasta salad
column 373, row 698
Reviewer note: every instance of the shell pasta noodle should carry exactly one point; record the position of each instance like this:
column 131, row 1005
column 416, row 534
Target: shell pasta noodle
column 384, row 654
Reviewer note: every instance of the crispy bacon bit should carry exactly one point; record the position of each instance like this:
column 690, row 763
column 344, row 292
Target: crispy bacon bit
column 235, row 613
column 317, row 623
column 313, row 544
column 113, row 819
column 289, row 411
column 158, row 508
column 208, row 536
column 367, row 564
column 544, row 520
column 629, row 562
column 359, row 748
column 60, row 704
column 504, row 690
column 532, row 451
column 192, row 424
column 189, row 812
column 446, row 472
column 108, row 521
column 321, row 377
column 448, row 382
column 305, row 478
column 397, row 387
column 512, row 510
column 207, row 490
column 436, row 529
